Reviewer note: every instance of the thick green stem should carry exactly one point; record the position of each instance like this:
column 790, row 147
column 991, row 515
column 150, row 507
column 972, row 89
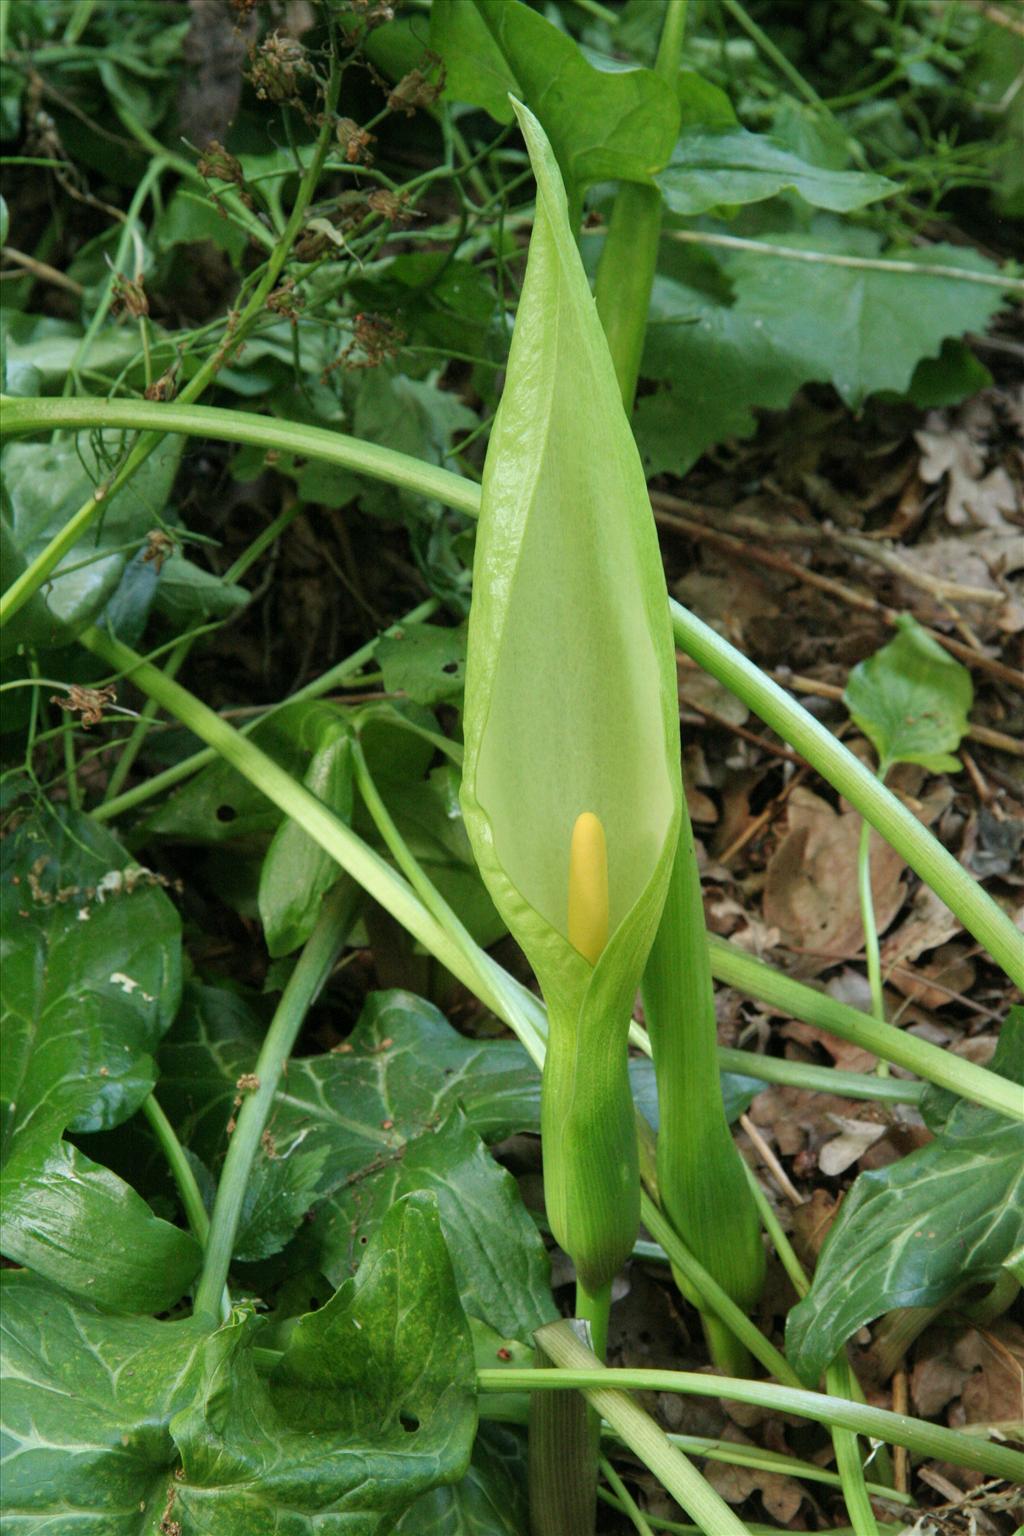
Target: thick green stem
column 629, row 256
column 753, row 977
column 920, row 1437
column 562, row 1461
column 867, row 915
column 980, row 915
column 25, row 415
column 702, row 1185
column 560, row 1342
column 712, row 1298
column 304, row 984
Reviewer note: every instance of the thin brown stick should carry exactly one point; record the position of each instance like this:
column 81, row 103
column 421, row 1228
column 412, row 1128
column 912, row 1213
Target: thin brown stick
column 880, row 553
column 771, row 747
column 984, row 734
column 41, row 270
column 771, row 1162
column 839, row 590
column 900, row 1458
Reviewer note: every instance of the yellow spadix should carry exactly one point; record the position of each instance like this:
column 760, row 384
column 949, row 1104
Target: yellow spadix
column 588, row 887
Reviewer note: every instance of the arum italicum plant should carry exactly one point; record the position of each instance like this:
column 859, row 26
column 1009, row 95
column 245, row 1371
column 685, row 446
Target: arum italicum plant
column 571, row 789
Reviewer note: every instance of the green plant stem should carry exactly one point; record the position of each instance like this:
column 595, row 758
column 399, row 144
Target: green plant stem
column 922, row 1438
column 759, row 1460
column 181, row 1169
column 311, row 972
column 636, row 1428
column 334, row 677
column 712, row 1297
column 800, row 1074
column 493, row 985
column 872, row 952
column 1006, row 283
column 36, row 573
column 142, row 726
column 496, row 989
column 740, row 970
column 639, row 1432
column 702, row 1186
column 980, row 915
column 593, row 1307
column 626, row 1503
column 629, row 256
column 872, row 949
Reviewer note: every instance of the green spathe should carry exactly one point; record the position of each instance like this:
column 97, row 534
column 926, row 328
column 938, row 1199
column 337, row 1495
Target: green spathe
column 571, row 706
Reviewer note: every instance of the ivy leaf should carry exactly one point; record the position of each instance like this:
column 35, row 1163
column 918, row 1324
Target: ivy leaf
column 710, row 169
column 87, row 1402
column 91, row 980
column 912, row 700
column 281, row 1188
column 372, row 1111
column 916, row 1233
column 603, row 126
column 371, row 1405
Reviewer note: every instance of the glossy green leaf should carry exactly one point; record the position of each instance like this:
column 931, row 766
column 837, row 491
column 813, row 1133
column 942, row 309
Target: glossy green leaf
column 297, row 873
column 489, row 1501
column 87, row 1402
column 371, row 1405
column 48, row 482
column 371, row 1113
column 91, row 980
column 497, row 1253
column 571, row 707
column 281, row 1190
column 602, row 126
column 711, row 168
column 403, row 1062
column 912, row 700
column 917, row 1232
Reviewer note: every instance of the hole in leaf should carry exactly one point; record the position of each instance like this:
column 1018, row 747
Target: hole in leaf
column 226, row 813
column 450, row 667
column 409, row 1422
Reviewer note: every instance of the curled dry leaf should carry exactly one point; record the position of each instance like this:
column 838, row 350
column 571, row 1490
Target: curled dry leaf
column 855, row 1136
column 809, row 895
